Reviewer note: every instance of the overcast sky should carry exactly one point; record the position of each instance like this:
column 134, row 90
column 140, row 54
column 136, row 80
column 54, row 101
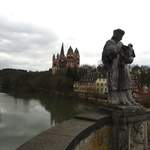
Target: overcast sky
column 32, row 30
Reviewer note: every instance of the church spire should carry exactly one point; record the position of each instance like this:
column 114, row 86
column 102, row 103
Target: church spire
column 54, row 57
column 62, row 50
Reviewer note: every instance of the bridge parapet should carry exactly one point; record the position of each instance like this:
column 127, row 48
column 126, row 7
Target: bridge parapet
column 108, row 128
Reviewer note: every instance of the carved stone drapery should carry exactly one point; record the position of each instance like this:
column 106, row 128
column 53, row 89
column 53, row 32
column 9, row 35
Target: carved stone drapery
column 129, row 131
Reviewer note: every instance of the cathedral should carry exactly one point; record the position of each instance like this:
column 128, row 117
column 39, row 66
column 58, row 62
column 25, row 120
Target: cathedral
column 61, row 62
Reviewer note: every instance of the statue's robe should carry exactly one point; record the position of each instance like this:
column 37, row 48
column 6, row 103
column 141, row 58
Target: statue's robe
column 126, row 57
column 110, row 58
column 116, row 58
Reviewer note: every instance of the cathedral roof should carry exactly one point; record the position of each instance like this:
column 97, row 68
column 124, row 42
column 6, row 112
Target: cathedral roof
column 53, row 56
column 57, row 55
column 62, row 50
column 76, row 51
column 70, row 51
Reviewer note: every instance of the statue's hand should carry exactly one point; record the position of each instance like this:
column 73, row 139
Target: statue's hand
column 119, row 44
column 130, row 45
column 118, row 48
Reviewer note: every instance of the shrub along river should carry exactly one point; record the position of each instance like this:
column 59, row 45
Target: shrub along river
column 23, row 118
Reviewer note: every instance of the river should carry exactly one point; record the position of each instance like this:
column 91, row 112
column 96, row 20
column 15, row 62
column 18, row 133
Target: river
column 23, row 118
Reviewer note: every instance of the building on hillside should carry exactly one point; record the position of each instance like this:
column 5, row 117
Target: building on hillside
column 91, row 85
column 101, row 86
column 85, row 86
column 62, row 62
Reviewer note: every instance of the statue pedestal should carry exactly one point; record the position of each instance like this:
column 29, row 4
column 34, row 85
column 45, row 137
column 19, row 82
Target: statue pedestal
column 129, row 127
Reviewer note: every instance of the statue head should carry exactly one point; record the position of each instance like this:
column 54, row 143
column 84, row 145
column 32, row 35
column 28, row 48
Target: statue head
column 118, row 34
column 130, row 45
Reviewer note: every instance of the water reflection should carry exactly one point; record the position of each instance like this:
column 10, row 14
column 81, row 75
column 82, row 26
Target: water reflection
column 60, row 108
column 25, row 116
column 1, row 116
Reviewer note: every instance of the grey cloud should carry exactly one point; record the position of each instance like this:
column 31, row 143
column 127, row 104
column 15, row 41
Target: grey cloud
column 142, row 59
column 90, row 54
column 25, row 46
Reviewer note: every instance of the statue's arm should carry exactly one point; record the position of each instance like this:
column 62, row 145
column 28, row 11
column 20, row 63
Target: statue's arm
column 131, row 50
column 111, row 49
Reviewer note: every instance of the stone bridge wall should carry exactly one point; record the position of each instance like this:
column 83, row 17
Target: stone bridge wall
column 98, row 140
column 94, row 131
column 84, row 132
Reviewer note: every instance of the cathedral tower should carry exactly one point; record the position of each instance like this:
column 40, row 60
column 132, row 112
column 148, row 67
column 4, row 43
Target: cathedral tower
column 60, row 62
column 77, row 58
column 70, row 58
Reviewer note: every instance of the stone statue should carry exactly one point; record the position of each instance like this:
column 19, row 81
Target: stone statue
column 116, row 56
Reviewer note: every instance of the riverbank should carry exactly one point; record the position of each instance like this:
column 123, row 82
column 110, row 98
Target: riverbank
column 34, row 82
column 25, row 115
column 95, row 100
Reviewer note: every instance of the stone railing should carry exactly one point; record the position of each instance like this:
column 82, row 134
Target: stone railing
column 108, row 128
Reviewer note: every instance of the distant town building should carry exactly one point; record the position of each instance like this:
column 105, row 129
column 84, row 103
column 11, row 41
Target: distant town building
column 86, row 85
column 101, row 86
column 62, row 62
column 90, row 85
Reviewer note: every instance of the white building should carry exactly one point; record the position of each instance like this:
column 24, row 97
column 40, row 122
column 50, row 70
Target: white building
column 101, row 86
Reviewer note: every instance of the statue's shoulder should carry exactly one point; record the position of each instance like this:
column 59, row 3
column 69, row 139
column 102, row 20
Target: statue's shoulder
column 109, row 45
column 110, row 42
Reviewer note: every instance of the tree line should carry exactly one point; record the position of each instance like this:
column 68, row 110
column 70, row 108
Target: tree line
column 29, row 81
column 142, row 75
